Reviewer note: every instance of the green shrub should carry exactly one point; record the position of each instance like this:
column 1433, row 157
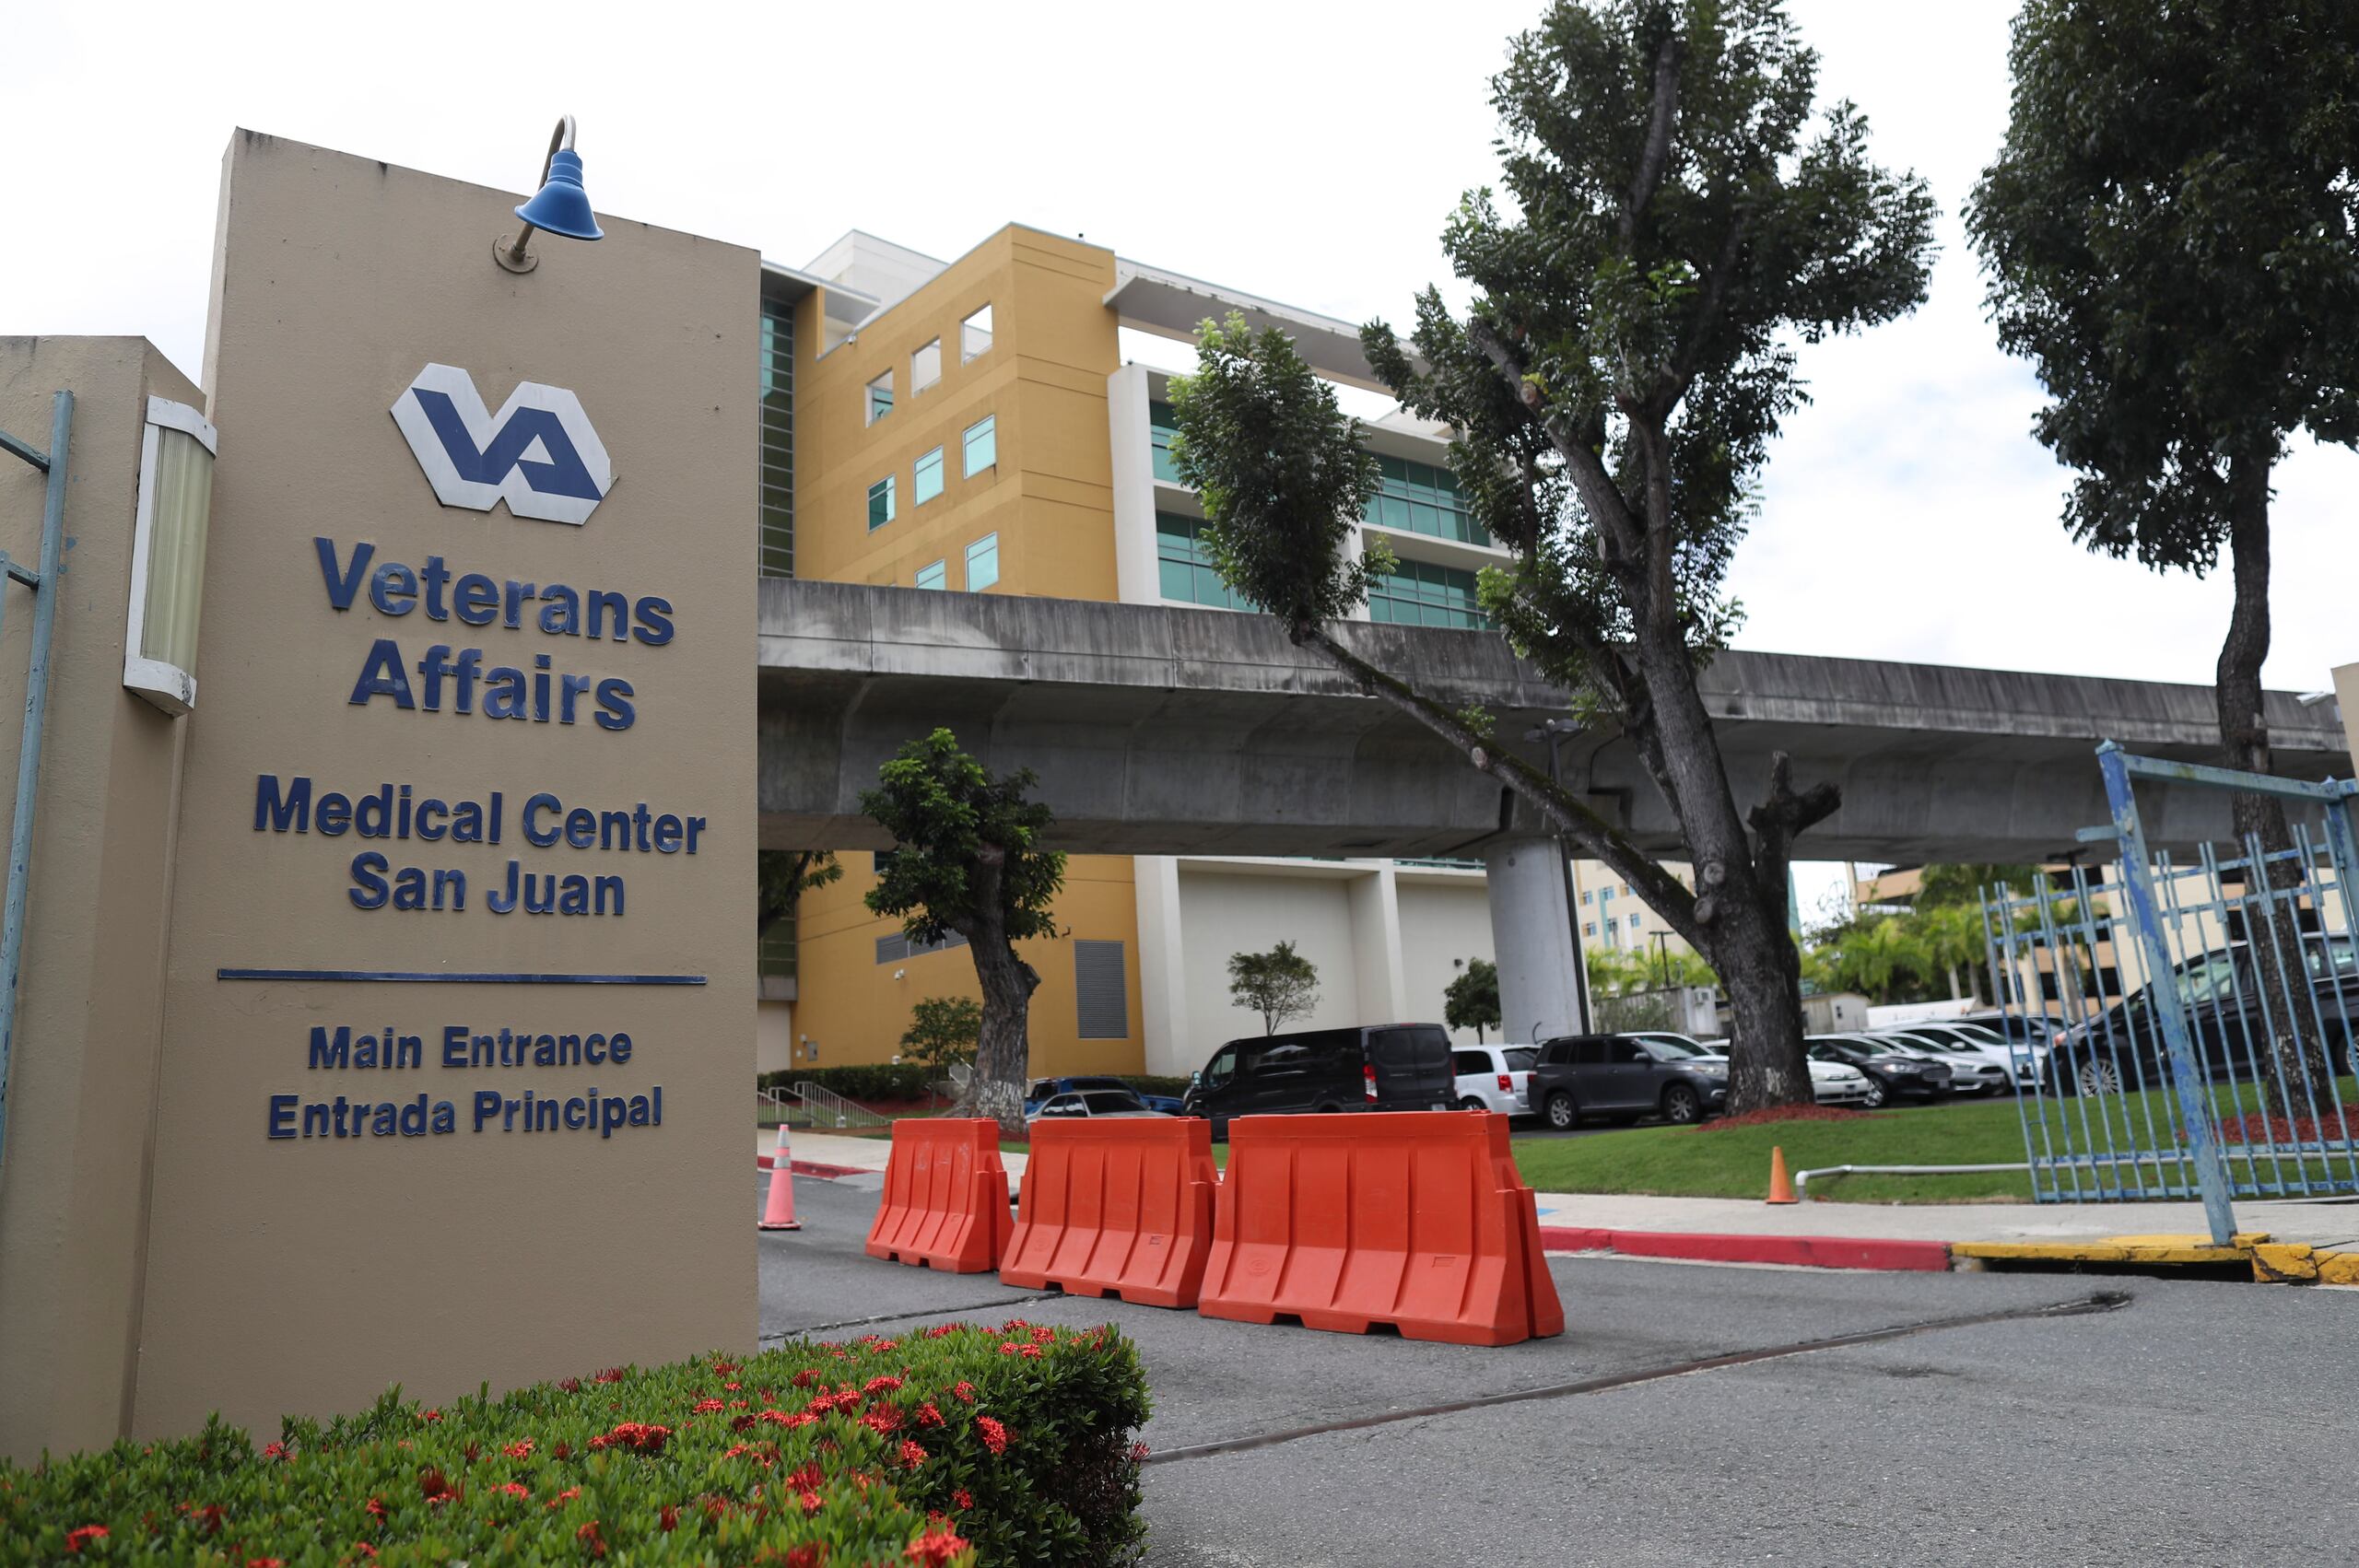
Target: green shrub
column 879, row 1081
column 954, row 1445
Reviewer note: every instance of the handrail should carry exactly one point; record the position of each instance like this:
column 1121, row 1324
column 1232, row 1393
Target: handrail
column 845, row 1113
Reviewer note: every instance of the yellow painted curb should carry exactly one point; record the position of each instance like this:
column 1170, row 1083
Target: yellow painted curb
column 2338, row 1268
column 2115, row 1249
column 2284, row 1263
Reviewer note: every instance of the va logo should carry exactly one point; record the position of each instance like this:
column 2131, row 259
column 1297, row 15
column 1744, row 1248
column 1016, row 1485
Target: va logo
column 540, row 455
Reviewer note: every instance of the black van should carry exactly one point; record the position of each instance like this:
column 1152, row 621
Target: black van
column 1383, row 1067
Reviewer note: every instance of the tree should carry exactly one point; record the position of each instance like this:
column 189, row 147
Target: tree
column 2169, row 231
column 1612, row 392
column 1279, row 984
column 1472, row 1000
column 968, row 860
column 783, row 876
column 943, row 1031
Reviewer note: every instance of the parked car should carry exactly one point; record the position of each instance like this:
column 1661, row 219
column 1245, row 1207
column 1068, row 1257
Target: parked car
column 1494, row 1078
column 1971, row 1072
column 1624, row 1078
column 2228, row 1015
column 2042, row 1032
column 1092, row 1103
column 1892, row 1073
column 2023, row 1063
column 1384, row 1067
column 1831, row 1082
column 1041, row 1089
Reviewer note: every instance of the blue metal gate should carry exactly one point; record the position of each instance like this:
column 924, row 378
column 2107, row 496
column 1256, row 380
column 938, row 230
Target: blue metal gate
column 44, row 582
column 2189, row 1024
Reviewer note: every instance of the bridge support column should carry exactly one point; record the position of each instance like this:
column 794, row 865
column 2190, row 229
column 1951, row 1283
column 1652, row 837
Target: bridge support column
column 1531, row 932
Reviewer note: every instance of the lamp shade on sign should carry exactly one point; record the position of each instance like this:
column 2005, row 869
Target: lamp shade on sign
column 168, row 555
column 563, row 207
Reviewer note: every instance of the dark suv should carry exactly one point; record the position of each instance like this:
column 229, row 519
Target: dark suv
column 1387, row 1067
column 1623, row 1078
column 2230, row 1022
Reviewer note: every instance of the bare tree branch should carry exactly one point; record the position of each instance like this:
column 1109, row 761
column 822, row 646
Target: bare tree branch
column 1662, row 892
column 1656, row 155
column 1595, row 486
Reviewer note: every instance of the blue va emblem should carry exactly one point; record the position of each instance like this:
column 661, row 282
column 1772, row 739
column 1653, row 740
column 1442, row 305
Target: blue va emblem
column 539, row 455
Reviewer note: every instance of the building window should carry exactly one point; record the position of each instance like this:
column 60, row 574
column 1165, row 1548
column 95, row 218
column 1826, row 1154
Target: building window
column 929, row 478
column 883, row 861
column 1605, row 896
column 1589, row 927
column 982, row 444
column 1588, row 896
column 880, row 503
column 895, row 948
column 1102, row 999
column 975, row 335
column 1634, row 921
column 1418, row 497
column 880, row 397
column 1186, row 572
column 778, row 439
column 935, row 576
column 982, row 563
column 1419, row 593
column 1161, row 426
column 925, row 366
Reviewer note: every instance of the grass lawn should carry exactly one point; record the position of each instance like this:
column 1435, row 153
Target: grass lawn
column 1733, row 1162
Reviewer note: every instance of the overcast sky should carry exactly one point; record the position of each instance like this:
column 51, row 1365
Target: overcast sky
column 1307, row 153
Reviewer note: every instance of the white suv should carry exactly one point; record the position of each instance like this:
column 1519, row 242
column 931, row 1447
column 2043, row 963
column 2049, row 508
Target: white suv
column 1494, row 1078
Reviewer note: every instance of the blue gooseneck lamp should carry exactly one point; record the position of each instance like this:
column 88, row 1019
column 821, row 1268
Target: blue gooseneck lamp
column 561, row 208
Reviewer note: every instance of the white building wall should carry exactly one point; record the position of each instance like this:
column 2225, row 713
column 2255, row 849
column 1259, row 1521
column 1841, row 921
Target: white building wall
column 1224, row 913
column 773, row 1037
column 1137, row 579
column 1445, row 925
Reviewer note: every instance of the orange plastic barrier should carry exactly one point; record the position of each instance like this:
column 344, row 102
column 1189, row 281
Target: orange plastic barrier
column 946, row 1196
column 1415, row 1219
column 1123, row 1206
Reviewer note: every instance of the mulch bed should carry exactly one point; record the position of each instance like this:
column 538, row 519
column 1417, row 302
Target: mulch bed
column 2257, row 1127
column 1783, row 1113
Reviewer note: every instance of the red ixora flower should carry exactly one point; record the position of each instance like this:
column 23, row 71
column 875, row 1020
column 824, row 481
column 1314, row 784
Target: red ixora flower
column 1042, row 1336
column 1138, row 1452
column 994, row 1435
column 964, row 1498
column 365, row 1550
column 588, row 1536
column 928, row 1415
column 965, row 1391
column 429, row 1415
column 514, row 1489
column 935, row 1547
column 376, row 1509
column 912, row 1455
column 612, row 1375
column 273, row 1450
column 520, row 1449
column 77, row 1539
column 880, row 1383
column 811, row 1502
column 667, row 1518
column 562, row 1498
column 804, row 1378
column 943, row 1330
column 265, row 1562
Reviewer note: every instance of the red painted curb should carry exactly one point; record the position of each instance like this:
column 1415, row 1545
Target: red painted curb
column 1814, row 1252
column 811, row 1168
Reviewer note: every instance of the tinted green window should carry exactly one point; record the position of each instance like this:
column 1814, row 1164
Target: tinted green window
column 1186, row 572
column 1160, row 428
column 777, row 509
column 880, row 502
column 1421, row 498
column 982, row 444
column 1419, row 593
column 928, row 478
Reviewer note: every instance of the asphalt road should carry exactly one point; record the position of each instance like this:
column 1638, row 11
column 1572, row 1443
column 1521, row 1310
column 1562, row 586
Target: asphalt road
column 2193, row 1423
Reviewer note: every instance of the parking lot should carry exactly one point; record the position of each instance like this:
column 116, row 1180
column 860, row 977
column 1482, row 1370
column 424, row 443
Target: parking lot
column 1700, row 1414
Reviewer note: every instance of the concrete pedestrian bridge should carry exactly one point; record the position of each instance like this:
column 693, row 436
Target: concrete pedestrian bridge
column 1165, row 731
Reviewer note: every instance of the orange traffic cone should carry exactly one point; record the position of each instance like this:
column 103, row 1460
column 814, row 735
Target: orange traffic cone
column 779, row 1214
column 1782, row 1190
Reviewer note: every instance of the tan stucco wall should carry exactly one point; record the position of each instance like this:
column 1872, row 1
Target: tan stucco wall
column 73, row 1210
column 308, row 1274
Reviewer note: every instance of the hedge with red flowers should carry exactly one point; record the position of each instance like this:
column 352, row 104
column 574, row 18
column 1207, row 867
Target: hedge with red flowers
column 952, row 1446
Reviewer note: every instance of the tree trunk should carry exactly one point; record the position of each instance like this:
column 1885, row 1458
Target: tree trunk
column 2294, row 1051
column 1004, row 1047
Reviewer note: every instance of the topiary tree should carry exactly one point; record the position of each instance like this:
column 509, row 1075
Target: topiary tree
column 942, row 1031
column 1279, row 984
column 1677, row 223
column 1472, row 1000
column 2169, row 231
column 967, row 860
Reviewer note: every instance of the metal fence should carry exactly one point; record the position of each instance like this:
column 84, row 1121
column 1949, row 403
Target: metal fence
column 2188, row 1020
